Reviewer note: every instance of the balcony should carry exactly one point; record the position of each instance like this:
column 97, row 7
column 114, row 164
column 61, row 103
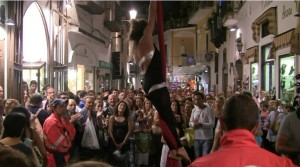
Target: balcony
column 200, row 10
column 230, row 13
column 93, row 7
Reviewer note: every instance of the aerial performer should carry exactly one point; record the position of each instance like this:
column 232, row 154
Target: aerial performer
column 149, row 60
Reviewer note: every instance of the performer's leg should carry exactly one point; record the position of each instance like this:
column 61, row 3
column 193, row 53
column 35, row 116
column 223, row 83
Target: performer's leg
column 160, row 98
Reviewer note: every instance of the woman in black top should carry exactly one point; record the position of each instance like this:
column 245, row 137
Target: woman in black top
column 119, row 130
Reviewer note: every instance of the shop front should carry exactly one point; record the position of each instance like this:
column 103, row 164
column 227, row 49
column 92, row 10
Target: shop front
column 252, row 57
column 195, row 78
column 274, row 34
column 286, row 78
column 282, row 50
column 84, row 70
column 103, row 76
column 81, row 70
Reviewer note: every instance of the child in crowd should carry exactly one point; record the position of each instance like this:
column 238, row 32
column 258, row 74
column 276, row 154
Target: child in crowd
column 143, row 143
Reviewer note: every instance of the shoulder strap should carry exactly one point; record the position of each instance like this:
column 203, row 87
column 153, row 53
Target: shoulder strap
column 38, row 111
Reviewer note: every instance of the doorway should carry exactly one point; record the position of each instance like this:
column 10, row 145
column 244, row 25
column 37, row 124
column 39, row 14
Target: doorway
column 34, row 71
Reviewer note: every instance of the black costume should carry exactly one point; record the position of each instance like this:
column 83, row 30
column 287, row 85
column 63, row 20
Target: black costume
column 157, row 92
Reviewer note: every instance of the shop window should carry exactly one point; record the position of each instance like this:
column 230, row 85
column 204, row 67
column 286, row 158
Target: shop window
column 286, row 78
column 265, row 29
column 89, row 78
column 268, row 79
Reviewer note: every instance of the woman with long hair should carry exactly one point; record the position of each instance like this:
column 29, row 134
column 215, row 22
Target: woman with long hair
column 149, row 60
column 119, row 130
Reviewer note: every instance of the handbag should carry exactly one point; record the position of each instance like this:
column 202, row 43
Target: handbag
column 35, row 123
column 37, row 156
column 89, row 139
column 189, row 133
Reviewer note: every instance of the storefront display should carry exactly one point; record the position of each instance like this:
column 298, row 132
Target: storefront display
column 81, row 78
column 254, row 78
column 286, row 78
column 89, row 78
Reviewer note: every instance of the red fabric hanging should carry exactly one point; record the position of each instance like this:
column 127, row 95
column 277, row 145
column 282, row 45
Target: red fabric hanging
column 170, row 162
column 160, row 24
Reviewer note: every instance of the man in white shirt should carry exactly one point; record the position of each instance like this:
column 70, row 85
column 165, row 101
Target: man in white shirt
column 202, row 120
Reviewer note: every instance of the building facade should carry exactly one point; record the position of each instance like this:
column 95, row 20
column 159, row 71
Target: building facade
column 269, row 53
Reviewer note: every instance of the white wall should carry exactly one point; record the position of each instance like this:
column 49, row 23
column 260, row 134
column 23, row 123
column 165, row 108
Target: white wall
column 249, row 12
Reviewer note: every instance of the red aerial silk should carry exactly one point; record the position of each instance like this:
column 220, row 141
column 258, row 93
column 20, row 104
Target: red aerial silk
column 160, row 24
column 170, row 162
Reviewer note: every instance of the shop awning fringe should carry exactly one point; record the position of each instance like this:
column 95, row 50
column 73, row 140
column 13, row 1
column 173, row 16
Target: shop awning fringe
column 283, row 40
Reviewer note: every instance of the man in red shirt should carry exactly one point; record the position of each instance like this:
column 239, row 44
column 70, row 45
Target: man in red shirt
column 238, row 147
column 58, row 134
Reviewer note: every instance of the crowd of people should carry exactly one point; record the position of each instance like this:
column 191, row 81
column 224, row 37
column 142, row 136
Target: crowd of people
column 150, row 127
column 121, row 127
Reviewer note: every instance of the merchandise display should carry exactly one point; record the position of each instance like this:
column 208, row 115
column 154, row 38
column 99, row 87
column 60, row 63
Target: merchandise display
column 286, row 77
column 254, row 78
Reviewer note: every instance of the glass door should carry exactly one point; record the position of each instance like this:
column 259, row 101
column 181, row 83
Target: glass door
column 34, row 71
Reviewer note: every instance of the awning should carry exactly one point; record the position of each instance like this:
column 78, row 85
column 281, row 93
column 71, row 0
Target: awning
column 251, row 52
column 269, row 15
column 297, row 38
column 281, row 41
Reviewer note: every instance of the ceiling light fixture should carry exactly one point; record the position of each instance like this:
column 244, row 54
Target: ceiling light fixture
column 132, row 14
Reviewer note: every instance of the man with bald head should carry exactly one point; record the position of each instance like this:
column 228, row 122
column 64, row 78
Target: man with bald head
column 108, row 110
column 73, row 115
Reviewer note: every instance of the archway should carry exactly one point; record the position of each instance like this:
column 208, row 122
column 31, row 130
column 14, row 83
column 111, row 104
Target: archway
column 35, row 46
